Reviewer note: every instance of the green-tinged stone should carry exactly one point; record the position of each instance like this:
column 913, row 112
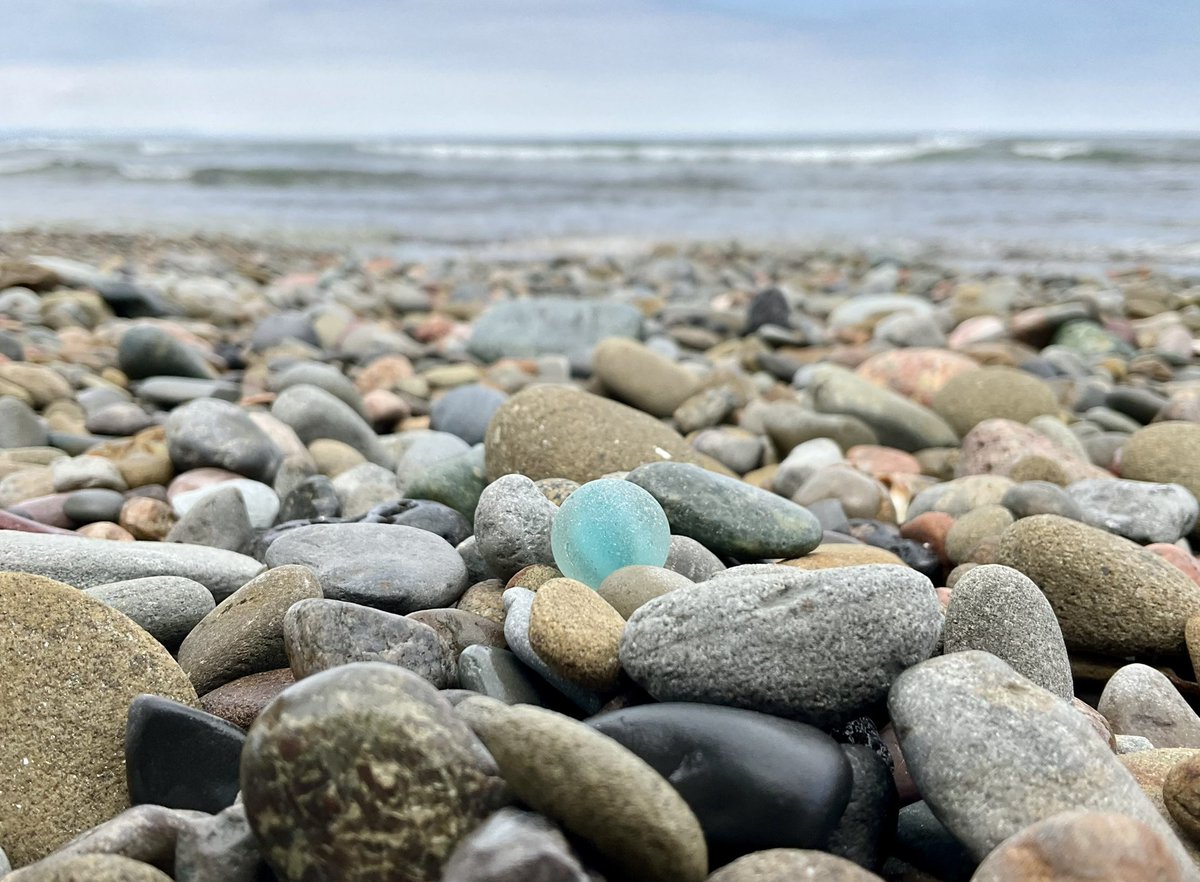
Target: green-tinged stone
column 1088, row 338
column 728, row 516
column 363, row 772
column 456, row 482
column 606, row 525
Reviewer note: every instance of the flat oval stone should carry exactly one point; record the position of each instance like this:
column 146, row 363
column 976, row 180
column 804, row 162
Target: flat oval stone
column 89, row 506
column 499, row 674
column 61, row 757
column 728, row 516
column 1139, row 700
column 575, row 631
column 753, row 780
column 240, row 701
column 630, row 587
column 460, row 628
column 595, row 788
column 168, row 607
column 606, row 525
column 148, row 351
column 320, row 634
column 209, row 432
column 788, row 865
column 364, row 735
column 180, row 757
column 395, row 568
column 1139, row 510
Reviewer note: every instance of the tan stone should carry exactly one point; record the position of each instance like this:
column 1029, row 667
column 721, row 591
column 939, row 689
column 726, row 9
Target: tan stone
column 577, row 633
column 147, row 518
column 837, row 554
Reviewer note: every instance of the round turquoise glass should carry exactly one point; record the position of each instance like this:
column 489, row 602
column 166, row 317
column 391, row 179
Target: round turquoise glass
column 606, row 525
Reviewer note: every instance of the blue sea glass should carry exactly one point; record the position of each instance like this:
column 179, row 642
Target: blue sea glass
column 606, row 525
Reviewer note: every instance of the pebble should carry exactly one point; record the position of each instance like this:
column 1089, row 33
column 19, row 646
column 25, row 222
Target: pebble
column 147, row 518
column 218, row 519
column 1081, row 846
column 512, row 525
column 1040, row 497
column 518, row 611
column 514, row 846
column 896, row 421
column 754, row 781
column 731, row 640
column 1138, row 700
column 374, row 735
column 692, row 560
column 1150, row 769
column 986, row 748
column 240, row 701
column 834, row 555
column 976, row 526
column 313, row 413
column 85, row 472
column 465, row 411
column 394, row 568
column 180, row 757
column 485, row 599
column 149, row 351
column 1164, row 453
column 971, row 397
column 167, row 607
column 786, row 864
column 260, row 501
column 19, row 425
column 628, row 588
column 244, row 633
column 361, row 488
column 577, row 633
column 615, row 801
column 89, row 506
column 639, row 376
column 1110, row 595
column 212, row 433
column 1181, row 796
column 220, row 848
column 67, row 785
column 550, row 325
column 86, row 563
column 461, row 628
column 1138, row 510
column 802, row 462
column 320, row 634
column 606, row 525
column 563, row 421
column 499, row 674
column 727, row 516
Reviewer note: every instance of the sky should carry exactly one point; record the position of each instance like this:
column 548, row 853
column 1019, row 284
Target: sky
column 512, row 68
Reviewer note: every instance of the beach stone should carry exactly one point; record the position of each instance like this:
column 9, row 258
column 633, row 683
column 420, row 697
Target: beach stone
column 334, row 457
column 314, row 497
column 788, row 864
column 708, row 407
column 960, row 495
column 998, row 447
column 29, row 483
column 419, row 450
column 1138, row 510
column 859, row 495
column 149, row 351
column 461, row 628
column 101, row 530
column 85, row 472
column 465, row 411
column 92, row 868
column 86, row 563
column 512, row 525
column 142, row 459
column 66, row 785
column 725, row 640
column 752, row 780
column 867, row 826
column 147, row 518
column 831, row 555
column 1181, row 795
column 19, row 424
column 477, row 568
column 1079, row 846
column 1164, row 453
column 365, row 486
column 180, row 757
column 615, row 801
column 736, row 449
column 518, row 610
column 689, row 558
column 218, row 519
column 260, row 502
column 320, row 634
column 556, row 489
column 805, row 460
column 999, row 610
column 606, row 525
column 375, row 735
column 563, row 421
column 394, row 568
column 42, row 384
column 244, row 634
column 240, row 701
column 167, row 607
column 534, row 577
column 89, row 506
column 896, row 421
column 976, row 526
column 1040, row 497
column 1030, row 756
column 499, row 674
column 628, row 588
column 168, row 392
column 788, row 425
column 971, row 397
column 550, row 326
column 315, row 413
column 485, row 599
column 457, row 482
column 577, row 633
column 1138, row 700
column 1150, row 769
column 323, row 376
column 212, row 433
column 220, row 848
column 727, row 516
column 514, row 846
column 1123, row 744
column 639, row 376
column 1110, row 595
column 923, row 842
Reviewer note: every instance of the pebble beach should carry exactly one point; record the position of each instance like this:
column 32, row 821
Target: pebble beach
column 684, row 562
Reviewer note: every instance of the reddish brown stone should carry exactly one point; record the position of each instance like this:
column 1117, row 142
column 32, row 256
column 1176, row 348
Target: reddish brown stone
column 241, row 700
column 1175, row 555
column 930, row 529
column 106, row 530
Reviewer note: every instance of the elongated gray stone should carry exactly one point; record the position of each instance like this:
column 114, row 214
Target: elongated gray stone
column 86, row 563
column 168, row 607
column 1138, row 700
column 819, row 646
column 726, row 515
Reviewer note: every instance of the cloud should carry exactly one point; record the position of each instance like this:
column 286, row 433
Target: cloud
column 504, row 67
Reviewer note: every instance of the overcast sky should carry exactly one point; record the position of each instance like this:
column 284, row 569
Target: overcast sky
column 599, row 67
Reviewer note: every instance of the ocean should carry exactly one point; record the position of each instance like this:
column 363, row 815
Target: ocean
column 1036, row 200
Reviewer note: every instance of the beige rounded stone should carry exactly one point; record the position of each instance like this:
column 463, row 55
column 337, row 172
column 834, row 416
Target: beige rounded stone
column 484, row 599
column 792, row 865
column 595, row 788
column 577, row 633
column 147, row 518
column 142, row 459
column 1167, row 453
column 976, row 526
column 71, row 666
column 640, row 376
column 843, row 554
column 106, row 530
column 1181, row 795
column 1150, row 769
column 971, row 397
column 628, row 588
column 533, row 576
column 334, row 457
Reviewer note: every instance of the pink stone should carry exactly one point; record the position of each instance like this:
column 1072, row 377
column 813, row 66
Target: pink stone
column 10, row 521
column 45, row 510
column 197, row 478
column 979, row 329
column 918, row 374
column 994, row 446
column 1175, row 555
column 878, row 461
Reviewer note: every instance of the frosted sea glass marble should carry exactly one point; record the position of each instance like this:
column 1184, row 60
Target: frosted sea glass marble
column 605, row 525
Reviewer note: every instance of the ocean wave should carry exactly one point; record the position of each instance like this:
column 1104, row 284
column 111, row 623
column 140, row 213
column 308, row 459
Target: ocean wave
column 1053, row 150
column 745, row 152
